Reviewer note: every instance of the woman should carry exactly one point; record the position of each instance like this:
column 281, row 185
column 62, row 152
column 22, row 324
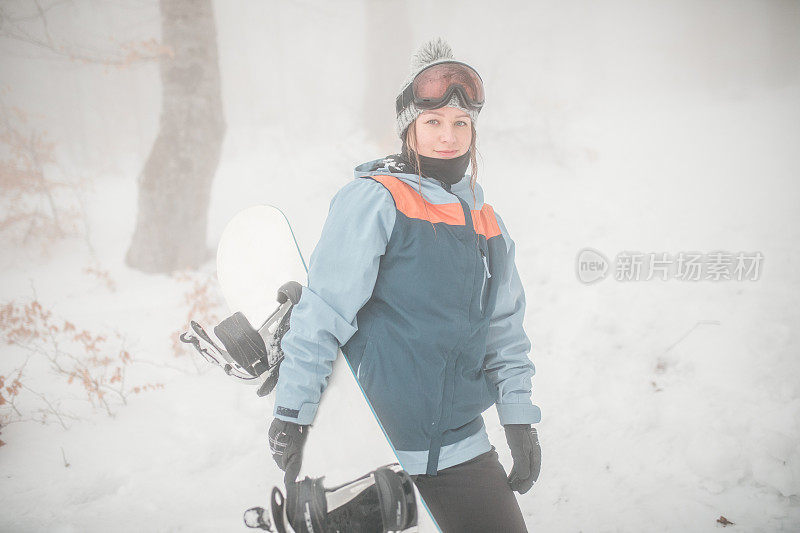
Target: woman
column 414, row 278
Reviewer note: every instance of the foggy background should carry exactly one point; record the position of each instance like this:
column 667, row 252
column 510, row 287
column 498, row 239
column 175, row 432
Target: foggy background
column 621, row 126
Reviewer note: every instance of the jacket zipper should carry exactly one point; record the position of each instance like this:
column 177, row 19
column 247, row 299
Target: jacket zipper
column 486, row 272
column 486, row 276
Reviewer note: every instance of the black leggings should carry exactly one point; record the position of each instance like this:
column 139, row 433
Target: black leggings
column 472, row 496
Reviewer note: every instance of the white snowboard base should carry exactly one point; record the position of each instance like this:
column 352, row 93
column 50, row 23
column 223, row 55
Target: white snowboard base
column 256, row 255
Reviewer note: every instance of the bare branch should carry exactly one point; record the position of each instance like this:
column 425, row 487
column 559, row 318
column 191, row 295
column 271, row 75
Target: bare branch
column 33, row 15
column 50, row 407
column 44, row 23
column 126, row 55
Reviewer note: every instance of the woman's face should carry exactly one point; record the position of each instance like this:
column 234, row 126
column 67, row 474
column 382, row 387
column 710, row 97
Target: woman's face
column 443, row 133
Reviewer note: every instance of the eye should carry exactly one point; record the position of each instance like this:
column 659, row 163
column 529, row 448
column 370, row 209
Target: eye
column 462, row 123
column 432, row 120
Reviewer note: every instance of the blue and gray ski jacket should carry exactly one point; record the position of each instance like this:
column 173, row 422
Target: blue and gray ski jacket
column 422, row 294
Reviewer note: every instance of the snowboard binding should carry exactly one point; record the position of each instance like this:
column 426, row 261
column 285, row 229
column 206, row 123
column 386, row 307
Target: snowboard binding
column 378, row 502
column 248, row 354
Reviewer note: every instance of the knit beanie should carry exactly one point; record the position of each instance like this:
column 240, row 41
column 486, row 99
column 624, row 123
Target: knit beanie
column 432, row 52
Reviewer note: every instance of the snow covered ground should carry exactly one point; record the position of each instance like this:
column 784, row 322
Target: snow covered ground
column 666, row 404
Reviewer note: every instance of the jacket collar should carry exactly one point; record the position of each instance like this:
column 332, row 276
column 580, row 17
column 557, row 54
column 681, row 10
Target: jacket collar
column 432, row 189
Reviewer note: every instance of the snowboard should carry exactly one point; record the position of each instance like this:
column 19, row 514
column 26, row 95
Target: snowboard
column 257, row 254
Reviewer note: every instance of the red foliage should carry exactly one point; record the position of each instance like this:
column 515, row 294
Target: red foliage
column 203, row 304
column 76, row 355
column 36, row 200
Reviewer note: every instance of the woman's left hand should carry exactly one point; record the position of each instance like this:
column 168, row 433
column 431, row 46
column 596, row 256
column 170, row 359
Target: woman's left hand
column 527, row 456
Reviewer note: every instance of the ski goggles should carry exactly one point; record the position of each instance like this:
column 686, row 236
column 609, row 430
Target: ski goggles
column 435, row 85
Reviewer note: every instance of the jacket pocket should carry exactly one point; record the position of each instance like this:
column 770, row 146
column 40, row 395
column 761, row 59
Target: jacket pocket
column 471, row 396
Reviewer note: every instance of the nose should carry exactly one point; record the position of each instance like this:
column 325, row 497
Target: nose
column 447, row 134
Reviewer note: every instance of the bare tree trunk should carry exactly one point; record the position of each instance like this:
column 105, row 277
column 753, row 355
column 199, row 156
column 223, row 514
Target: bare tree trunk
column 175, row 184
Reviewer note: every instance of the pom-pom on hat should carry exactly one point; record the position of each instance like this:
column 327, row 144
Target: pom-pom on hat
column 432, row 52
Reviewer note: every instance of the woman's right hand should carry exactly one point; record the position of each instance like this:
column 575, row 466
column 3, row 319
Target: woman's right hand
column 286, row 440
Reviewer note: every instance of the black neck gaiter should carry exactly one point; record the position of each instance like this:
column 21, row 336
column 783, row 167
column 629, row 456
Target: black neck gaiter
column 447, row 171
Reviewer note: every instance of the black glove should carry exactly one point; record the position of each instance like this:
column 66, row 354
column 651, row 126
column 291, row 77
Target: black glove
column 286, row 440
column 527, row 456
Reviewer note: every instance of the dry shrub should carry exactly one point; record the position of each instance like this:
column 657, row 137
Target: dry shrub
column 101, row 275
column 203, row 303
column 56, row 348
column 36, row 200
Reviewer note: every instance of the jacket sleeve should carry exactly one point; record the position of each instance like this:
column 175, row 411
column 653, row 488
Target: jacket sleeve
column 507, row 346
column 341, row 278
